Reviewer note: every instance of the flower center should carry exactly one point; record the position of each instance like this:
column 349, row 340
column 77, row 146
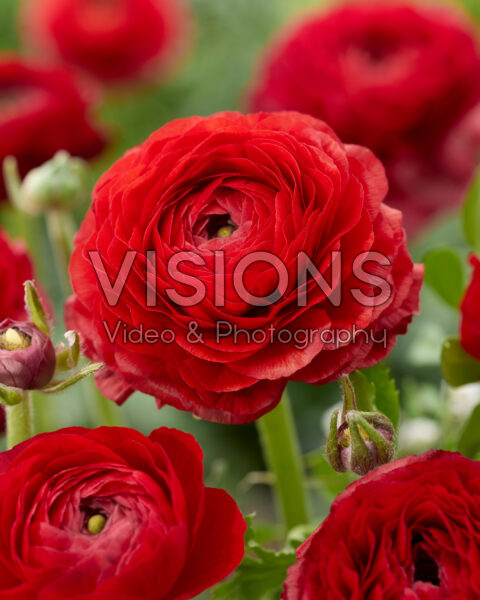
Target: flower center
column 96, row 523
column 13, row 339
column 220, row 226
column 425, row 567
column 378, row 47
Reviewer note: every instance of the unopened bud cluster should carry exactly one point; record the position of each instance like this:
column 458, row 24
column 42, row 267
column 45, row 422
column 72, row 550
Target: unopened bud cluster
column 28, row 358
column 60, row 184
column 359, row 441
column 27, row 355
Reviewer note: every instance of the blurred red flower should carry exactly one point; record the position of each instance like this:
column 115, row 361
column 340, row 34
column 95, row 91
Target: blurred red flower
column 109, row 513
column 408, row 530
column 110, row 39
column 15, row 268
column 232, row 185
column 42, row 110
column 470, row 313
column 402, row 79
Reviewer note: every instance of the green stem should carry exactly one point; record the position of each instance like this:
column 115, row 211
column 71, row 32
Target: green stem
column 18, row 221
column 61, row 229
column 349, row 400
column 13, row 183
column 19, row 421
column 282, row 454
column 106, row 412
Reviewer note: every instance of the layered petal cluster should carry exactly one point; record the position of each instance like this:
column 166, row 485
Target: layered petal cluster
column 110, row 40
column 217, row 218
column 402, row 78
column 43, row 110
column 409, row 530
column 109, row 513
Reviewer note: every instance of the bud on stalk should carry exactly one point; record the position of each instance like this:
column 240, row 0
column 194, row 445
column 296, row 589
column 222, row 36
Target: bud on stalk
column 59, row 184
column 359, row 441
column 29, row 361
column 27, row 356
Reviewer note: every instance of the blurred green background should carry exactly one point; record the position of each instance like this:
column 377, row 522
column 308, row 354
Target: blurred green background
column 228, row 39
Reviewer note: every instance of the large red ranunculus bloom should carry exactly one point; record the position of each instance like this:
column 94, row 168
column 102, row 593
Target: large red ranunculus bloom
column 15, row 268
column 224, row 189
column 109, row 513
column 409, row 530
column 110, row 40
column 43, row 110
column 470, row 313
column 401, row 78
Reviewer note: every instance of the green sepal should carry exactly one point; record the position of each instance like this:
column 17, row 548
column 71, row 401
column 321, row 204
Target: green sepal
column 60, row 386
column 68, row 356
column 35, row 309
column 10, row 396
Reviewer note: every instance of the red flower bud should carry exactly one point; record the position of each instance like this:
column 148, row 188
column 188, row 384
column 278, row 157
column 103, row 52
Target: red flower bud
column 27, row 356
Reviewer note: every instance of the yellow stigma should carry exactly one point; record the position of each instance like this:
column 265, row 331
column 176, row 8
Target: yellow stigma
column 96, row 524
column 346, row 436
column 225, row 231
column 13, row 339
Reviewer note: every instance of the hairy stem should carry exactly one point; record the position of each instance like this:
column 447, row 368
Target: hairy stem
column 19, row 419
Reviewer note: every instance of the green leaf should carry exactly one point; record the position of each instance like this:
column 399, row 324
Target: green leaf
column 35, row 309
column 60, row 386
column 364, row 391
column 387, row 398
column 458, row 367
column 445, row 274
column 250, row 533
column 262, row 572
column 299, row 534
column 258, row 578
column 469, row 442
column 471, row 215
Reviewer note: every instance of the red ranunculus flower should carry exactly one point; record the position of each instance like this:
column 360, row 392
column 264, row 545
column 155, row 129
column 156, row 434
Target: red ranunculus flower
column 225, row 189
column 398, row 77
column 109, row 513
column 15, row 269
column 43, row 110
column 110, row 39
column 409, row 530
column 470, row 311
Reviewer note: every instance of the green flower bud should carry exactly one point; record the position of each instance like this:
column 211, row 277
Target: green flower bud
column 361, row 442
column 59, row 184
